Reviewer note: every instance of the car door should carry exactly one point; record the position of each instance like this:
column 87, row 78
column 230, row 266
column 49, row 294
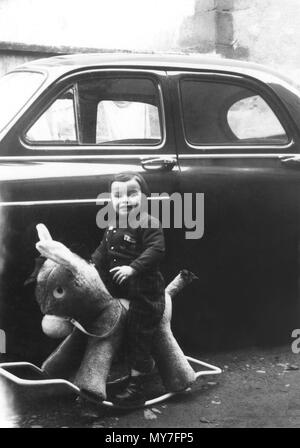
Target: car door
column 232, row 136
column 85, row 128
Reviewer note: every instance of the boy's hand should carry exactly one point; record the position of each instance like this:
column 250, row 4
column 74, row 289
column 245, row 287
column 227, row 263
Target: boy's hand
column 122, row 273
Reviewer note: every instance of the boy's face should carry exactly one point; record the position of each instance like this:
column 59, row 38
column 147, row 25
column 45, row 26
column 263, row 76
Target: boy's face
column 126, row 196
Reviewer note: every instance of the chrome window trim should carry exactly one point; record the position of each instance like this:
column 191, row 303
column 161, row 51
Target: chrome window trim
column 81, row 147
column 239, row 147
column 95, row 201
column 78, row 158
column 238, row 155
column 54, row 158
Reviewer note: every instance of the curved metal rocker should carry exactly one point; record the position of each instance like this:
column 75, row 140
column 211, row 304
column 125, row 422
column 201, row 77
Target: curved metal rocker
column 9, row 371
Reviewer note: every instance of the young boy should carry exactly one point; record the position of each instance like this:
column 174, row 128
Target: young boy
column 128, row 262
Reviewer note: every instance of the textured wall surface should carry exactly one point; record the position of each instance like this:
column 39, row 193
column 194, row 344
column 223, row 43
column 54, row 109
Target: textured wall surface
column 9, row 61
column 269, row 28
column 263, row 31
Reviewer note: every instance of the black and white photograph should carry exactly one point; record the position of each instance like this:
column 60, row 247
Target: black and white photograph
column 149, row 216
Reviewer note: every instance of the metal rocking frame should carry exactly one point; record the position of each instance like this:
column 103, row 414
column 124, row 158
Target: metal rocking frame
column 212, row 370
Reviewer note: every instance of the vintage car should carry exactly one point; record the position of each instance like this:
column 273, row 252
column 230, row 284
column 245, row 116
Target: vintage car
column 226, row 129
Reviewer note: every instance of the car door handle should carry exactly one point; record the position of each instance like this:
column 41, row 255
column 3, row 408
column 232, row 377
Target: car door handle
column 291, row 160
column 159, row 164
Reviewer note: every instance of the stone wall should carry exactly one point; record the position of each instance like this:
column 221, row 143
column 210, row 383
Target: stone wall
column 263, row 31
column 270, row 30
column 211, row 29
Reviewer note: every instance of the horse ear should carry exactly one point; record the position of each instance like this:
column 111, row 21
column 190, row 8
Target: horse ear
column 43, row 232
column 54, row 250
column 59, row 253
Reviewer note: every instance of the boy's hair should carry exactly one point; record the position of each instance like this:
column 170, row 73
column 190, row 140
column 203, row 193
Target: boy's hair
column 130, row 175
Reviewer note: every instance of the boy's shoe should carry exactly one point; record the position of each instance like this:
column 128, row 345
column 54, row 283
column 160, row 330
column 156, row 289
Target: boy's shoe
column 134, row 394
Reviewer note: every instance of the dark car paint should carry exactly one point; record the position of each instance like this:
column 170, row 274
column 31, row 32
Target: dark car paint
column 247, row 260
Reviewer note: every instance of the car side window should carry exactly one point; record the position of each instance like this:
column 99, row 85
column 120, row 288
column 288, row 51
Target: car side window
column 104, row 110
column 122, row 120
column 57, row 123
column 120, row 111
column 221, row 113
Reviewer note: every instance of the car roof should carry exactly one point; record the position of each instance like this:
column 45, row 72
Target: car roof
column 63, row 64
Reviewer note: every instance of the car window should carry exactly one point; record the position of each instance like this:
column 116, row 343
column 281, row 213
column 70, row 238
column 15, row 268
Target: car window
column 16, row 88
column 219, row 113
column 102, row 111
column 57, row 123
column 123, row 120
column 120, row 111
column 252, row 118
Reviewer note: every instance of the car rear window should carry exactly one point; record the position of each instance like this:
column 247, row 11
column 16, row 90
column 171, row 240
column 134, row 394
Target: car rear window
column 221, row 113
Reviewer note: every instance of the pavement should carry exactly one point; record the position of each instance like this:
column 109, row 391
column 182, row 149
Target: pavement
column 259, row 388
